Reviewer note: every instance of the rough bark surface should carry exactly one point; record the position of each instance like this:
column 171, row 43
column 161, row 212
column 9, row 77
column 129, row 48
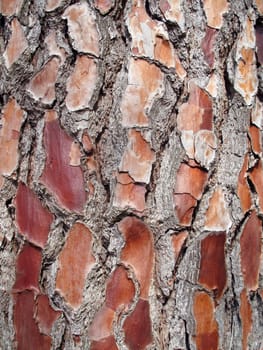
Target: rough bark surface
column 131, row 175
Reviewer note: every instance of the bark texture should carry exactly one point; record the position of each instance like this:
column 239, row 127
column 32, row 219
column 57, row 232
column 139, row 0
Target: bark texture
column 131, row 174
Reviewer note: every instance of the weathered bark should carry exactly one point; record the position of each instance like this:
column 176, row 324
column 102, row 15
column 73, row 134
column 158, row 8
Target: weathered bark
column 131, row 174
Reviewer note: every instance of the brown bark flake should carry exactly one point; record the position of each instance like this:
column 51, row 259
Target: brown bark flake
column 75, row 262
column 33, row 220
column 64, row 181
column 206, row 326
column 213, row 268
column 137, row 327
column 250, row 245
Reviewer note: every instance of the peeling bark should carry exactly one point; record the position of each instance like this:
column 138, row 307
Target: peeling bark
column 131, row 176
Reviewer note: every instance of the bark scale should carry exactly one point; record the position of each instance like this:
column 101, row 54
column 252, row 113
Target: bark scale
column 131, row 174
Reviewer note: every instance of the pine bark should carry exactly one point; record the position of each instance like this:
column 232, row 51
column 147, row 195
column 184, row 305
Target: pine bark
column 131, row 191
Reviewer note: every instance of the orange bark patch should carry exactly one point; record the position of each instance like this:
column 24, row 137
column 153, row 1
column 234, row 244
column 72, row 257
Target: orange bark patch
column 10, row 7
column 178, row 242
column 217, row 215
column 120, row 290
column 259, row 6
column 82, row 28
column 87, row 143
column 51, row 5
column 128, row 194
column 140, row 92
column 137, row 327
column 138, row 158
column 255, row 138
column 104, row 6
column 250, row 245
column 243, row 190
column 214, row 11
column 172, row 11
column 246, row 81
column 150, row 39
column 256, row 176
column 104, row 344
column 197, row 113
column 28, row 266
column 42, row 85
column 65, row 182
column 45, row 315
column 27, row 334
column 33, row 220
column 184, row 205
column 138, row 251
column 190, row 180
column 206, row 326
column 246, row 318
column 213, row 269
column 207, row 46
column 16, row 44
column 9, row 137
column 81, row 83
column 73, row 268
column 102, row 323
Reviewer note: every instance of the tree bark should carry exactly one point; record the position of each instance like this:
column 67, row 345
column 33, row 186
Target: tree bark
column 131, row 174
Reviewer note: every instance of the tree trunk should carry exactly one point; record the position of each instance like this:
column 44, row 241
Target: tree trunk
column 131, row 174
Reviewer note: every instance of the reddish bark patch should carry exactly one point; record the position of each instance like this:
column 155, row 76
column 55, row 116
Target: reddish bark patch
column 9, row 137
column 45, row 315
column 42, row 85
column 82, row 28
column 28, row 266
column 255, row 139
column 178, row 242
column 206, row 326
column 184, row 205
column 138, row 251
column 246, row 318
column 243, row 190
column 51, row 5
column 213, row 269
column 250, row 245
column 150, row 39
column 104, row 6
column 120, row 290
column 33, row 220
column 217, row 215
column 138, row 157
column 207, row 46
column 214, row 11
column 137, row 327
column 190, row 180
column 81, row 83
column 108, row 343
column 65, row 182
column 28, row 336
column 74, row 267
column 129, row 194
column 140, row 92
column 172, row 11
column 256, row 176
column 9, row 7
column 17, row 44
column 197, row 113
column 101, row 326
column 246, row 81
column 259, row 41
